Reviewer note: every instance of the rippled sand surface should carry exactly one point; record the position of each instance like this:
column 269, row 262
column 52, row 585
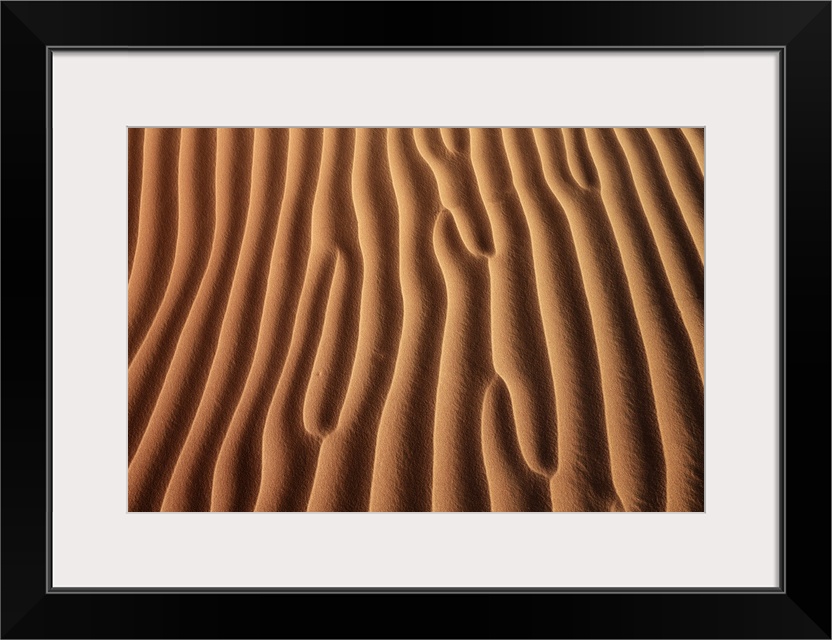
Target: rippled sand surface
column 416, row 320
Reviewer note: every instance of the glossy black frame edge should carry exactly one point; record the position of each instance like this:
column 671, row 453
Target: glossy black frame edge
column 800, row 608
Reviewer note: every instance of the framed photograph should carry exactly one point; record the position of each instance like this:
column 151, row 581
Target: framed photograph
column 517, row 309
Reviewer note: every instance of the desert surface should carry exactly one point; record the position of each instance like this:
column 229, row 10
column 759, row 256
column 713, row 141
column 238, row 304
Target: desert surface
column 416, row 319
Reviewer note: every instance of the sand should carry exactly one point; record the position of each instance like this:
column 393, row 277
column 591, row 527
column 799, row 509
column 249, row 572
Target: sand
column 416, row 320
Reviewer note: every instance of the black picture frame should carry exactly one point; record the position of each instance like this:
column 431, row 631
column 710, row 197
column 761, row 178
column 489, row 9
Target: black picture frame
column 798, row 608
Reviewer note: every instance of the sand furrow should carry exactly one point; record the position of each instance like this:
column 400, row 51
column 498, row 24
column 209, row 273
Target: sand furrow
column 519, row 345
column 289, row 450
column 686, row 180
column 323, row 344
column 636, row 460
column 465, row 370
column 677, row 250
column 190, row 485
column 512, row 486
column 402, row 470
column 415, row 319
column 156, row 237
column 583, row 481
column 696, row 139
column 677, row 387
column 579, row 169
column 457, row 185
column 344, row 471
column 334, row 228
column 147, row 370
column 135, row 153
column 152, row 464
column 237, row 472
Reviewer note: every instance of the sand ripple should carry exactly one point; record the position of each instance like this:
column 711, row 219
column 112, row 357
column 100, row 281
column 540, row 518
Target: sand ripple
column 416, row 320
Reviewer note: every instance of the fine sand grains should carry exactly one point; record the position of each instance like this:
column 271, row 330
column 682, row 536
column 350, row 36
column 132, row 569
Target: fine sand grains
column 416, row 320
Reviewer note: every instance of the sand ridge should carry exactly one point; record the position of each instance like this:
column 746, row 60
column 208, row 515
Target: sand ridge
column 416, row 319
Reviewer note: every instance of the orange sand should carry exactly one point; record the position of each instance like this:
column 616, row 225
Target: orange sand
column 416, row 319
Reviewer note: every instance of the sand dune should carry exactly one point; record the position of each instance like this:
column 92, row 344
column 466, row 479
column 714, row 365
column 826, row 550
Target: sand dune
column 416, row 320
